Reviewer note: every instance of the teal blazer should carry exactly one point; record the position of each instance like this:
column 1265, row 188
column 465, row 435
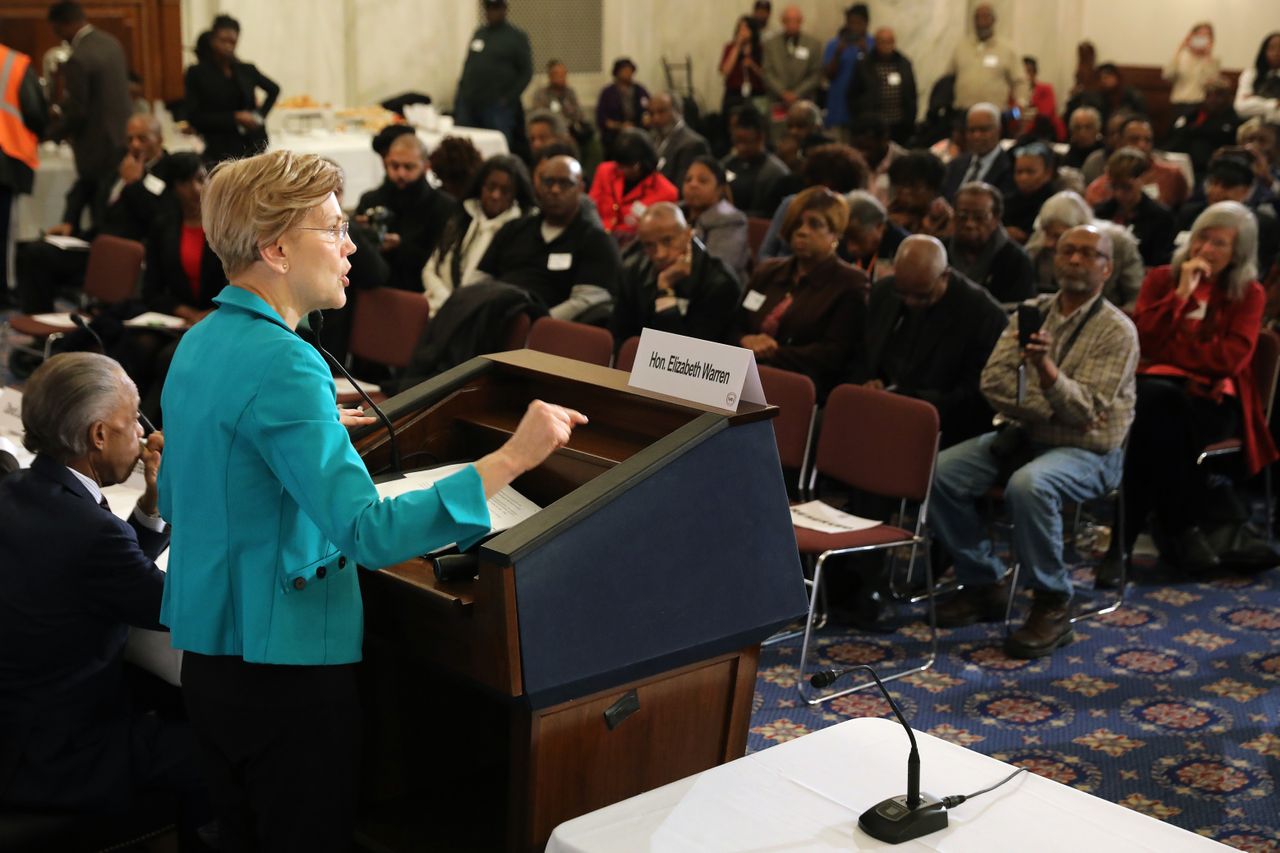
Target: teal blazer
column 272, row 508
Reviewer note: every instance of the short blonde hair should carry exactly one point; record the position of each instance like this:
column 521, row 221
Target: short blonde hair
column 250, row 203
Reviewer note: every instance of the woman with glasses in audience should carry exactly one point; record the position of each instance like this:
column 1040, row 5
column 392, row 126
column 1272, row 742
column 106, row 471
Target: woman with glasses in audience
column 806, row 313
column 720, row 226
column 1064, row 211
column 273, row 511
column 500, row 192
column 1198, row 322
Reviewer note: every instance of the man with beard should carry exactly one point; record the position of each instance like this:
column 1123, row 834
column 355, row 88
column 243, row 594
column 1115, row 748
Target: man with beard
column 981, row 248
column 929, row 333
column 673, row 284
column 413, row 213
column 1066, row 398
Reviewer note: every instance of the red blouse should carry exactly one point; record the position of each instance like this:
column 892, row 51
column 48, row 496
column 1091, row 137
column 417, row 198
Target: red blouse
column 620, row 209
column 191, row 253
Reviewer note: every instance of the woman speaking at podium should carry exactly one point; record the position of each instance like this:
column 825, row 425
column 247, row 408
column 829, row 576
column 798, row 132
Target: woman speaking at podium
column 272, row 509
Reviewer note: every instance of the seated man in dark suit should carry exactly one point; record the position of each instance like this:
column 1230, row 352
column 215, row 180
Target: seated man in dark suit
column 406, row 211
column 984, row 160
column 929, row 333
column 673, row 284
column 130, row 204
column 570, row 264
column 73, row 578
column 981, row 249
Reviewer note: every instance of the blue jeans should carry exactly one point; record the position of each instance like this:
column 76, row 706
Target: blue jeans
column 494, row 116
column 1033, row 497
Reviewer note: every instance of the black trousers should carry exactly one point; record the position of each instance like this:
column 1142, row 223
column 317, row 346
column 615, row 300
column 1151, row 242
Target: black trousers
column 280, row 748
column 1170, row 428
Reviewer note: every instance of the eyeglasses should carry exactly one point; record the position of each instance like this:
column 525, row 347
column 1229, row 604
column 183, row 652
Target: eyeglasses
column 1083, row 251
column 338, row 232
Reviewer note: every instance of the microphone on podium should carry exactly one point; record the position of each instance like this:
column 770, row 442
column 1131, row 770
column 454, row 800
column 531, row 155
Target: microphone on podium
column 316, row 320
column 900, row 818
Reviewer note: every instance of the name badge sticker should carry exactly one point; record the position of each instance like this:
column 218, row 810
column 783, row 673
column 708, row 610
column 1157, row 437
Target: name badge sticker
column 893, row 78
column 991, row 61
column 559, row 261
column 802, row 53
column 696, row 370
column 753, row 300
column 477, row 45
column 152, row 184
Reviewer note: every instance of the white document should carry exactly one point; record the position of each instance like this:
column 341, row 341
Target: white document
column 59, row 318
column 344, row 386
column 824, row 518
column 11, row 426
column 506, row 509
column 66, row 242
column 155, row 320
column 696, row 370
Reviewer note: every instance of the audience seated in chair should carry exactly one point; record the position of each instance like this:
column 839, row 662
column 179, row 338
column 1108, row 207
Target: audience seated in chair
column 869, row 136
column 416, row 212
column 806, row 313
column 839, row 168
column 1198, row 322
column 929, row 333
column 981, row 249
column 984, row 158
column 1062, row 440
column 1147, row 219
column 676, row 142
column 1033, row 177
column 871, row 241
column 1230, row 176
column 755, row 170
column 1064, row 211
column 916, row 204
column 1084, row 136
column 566, row 262
column 1166, row 180
column 1207, row 127
column 720, row 226
column 628, row 184
column 75, row 578
column 500, row 193
column 674, row 284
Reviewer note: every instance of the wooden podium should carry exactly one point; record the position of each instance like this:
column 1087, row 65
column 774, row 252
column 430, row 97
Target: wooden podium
column 609, row 644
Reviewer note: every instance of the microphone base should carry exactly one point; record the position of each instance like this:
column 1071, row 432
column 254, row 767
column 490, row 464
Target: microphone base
column 893, row 822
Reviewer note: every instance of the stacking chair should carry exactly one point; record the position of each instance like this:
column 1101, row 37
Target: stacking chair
column 111, row 276
column 757, row 230
column 1266, row 370
column 518, row 332
column 572, row 340
column 880, row 444
column 386, row 325
column 627, row 354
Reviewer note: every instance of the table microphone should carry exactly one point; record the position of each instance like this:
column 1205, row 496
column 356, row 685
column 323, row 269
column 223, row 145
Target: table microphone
column 901, row 818
column 79, row 320
column 316, row 320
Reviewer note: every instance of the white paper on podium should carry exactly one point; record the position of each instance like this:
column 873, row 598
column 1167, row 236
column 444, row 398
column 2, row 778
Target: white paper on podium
column 506, row 509
column 696, row 370
column 345, row 388
column 824, row 518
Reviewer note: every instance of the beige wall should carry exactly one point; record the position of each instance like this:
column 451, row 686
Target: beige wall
column 359, row 51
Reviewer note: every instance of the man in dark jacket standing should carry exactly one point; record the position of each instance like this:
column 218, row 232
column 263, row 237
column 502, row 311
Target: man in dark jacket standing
column 97, row 104
column 498, row 68
column 929, row 333
column 884, row 84
column 22, row 118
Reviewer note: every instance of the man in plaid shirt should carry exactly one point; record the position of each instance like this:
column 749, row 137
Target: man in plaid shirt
column 1060, row 435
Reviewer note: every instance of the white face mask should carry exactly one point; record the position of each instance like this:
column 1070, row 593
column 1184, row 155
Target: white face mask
column 1199, row 42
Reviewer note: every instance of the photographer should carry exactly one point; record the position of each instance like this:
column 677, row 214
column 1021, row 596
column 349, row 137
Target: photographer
column 1066, row 395
column 406, row 213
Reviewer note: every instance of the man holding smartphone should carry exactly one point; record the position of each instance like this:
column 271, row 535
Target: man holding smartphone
column 1061, row 436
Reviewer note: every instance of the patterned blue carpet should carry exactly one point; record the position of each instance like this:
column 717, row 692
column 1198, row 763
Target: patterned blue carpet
column 1168, row 706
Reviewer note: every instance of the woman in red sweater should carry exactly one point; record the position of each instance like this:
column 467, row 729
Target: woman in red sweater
column 625, row 187
column 1198, row 322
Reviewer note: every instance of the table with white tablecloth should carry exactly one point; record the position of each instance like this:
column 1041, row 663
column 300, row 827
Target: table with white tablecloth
column 807, row 794
column 353, row 151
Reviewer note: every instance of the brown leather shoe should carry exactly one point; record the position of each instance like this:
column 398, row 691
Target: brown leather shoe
column 1048, row 627
column 974, row 604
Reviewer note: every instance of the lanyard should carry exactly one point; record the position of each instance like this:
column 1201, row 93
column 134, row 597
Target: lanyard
column 1075, row 333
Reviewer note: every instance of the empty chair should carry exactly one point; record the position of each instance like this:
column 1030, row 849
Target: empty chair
column 385, row 328
column 797, row 400
column 572, row 340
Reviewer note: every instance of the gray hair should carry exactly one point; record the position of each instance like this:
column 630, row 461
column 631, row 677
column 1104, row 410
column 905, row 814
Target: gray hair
column 865, row 210
column 988, row 108
column 665, row 210
column 1062, row 208
column 1088, row 112
column 1243, row 267
column 984, row 188
column 558, row 126
column 64, row 397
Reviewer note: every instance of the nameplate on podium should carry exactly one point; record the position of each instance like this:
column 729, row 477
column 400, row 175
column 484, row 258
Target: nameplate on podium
column 696, row 370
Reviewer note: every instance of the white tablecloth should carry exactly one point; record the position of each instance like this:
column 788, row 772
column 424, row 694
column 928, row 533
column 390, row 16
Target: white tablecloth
column 352, row 151
column 807, row 794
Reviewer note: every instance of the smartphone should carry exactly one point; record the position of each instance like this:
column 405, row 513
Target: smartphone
column 1029, row 320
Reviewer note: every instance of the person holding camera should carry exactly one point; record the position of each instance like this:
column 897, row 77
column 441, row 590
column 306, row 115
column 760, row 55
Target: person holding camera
column 1061, row 379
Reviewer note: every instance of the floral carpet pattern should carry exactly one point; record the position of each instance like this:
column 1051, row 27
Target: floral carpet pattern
column 1169, row 706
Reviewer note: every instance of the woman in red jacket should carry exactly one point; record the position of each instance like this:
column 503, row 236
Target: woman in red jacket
column 625, row 187
column 1198, row 322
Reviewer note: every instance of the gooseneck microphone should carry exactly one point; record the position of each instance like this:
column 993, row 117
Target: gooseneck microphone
column 80, row 322
column 901, row 818
column 316, row 320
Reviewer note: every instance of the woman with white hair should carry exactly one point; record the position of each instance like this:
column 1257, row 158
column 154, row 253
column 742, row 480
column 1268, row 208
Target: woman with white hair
column 1064, row 211
column 1198, row 321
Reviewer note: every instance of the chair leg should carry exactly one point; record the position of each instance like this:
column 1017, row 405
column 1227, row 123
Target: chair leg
column 808, row 626
column 783, row 636
column 1118, row 539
